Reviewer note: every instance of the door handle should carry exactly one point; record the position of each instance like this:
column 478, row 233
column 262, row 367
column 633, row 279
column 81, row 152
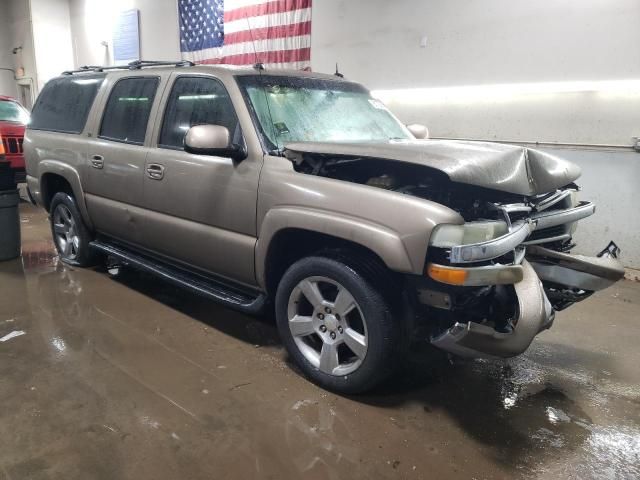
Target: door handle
column 97, row 161
column 155, row 171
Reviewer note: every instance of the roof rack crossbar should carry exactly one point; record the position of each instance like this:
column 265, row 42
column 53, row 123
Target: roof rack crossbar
column 135, row 65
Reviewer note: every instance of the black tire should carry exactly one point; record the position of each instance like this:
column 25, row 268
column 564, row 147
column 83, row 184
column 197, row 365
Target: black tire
column 384, row 332
column 81, row 254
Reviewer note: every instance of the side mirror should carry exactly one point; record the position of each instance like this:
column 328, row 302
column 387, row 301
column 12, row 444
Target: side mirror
column 212, row 140
column 419, row 131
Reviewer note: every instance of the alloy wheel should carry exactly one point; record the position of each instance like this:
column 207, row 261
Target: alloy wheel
column 327, row 325
column 65, row 232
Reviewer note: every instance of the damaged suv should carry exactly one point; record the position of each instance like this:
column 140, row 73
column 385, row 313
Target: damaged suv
column 299, row 190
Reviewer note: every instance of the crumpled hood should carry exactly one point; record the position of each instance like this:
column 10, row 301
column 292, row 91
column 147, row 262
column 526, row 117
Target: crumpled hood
column 507, row 168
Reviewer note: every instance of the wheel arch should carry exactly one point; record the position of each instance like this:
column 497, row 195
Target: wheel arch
column 57, row 177
column 288, row 234
column 50, row 184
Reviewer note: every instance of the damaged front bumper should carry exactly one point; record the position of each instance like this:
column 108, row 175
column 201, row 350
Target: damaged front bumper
column 551, row 281
column 495, row 283
column 541, row 280
column 577, row 271
column 535, row 313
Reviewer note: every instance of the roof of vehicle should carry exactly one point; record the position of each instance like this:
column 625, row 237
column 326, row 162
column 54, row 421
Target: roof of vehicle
column 218, row 69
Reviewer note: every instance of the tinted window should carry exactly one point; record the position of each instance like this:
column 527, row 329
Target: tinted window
column 197, row 101
column 64, row 103
column 127, row 112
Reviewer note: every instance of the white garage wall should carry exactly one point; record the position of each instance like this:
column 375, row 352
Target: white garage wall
column 7, row 83
column 477, row 41
column 15, row 31
column 488, row 42
column 52, row 38
column 92, row 23
column 610, row 179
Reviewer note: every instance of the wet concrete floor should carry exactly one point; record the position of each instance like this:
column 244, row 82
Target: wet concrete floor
column 126, row 377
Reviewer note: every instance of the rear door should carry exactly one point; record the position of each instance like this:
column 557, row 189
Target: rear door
column 59, row 126
column 201, row 208
column 116, row 157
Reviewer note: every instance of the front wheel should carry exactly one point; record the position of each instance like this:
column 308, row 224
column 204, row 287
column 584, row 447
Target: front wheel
column 336, row 326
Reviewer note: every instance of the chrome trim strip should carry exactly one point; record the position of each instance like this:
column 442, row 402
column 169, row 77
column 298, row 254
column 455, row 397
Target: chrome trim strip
column 514, row 207
column 518, row 234
column 564, row 236
column 493, row 248
column 553, row 199
column 511, row 208
column 551, row 219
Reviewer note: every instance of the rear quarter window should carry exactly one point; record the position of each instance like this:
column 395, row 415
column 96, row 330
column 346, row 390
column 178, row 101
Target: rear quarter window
column 64, row 104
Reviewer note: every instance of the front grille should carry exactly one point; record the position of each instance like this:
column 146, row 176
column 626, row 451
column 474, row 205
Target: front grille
column 12, row 145
column 550, row 232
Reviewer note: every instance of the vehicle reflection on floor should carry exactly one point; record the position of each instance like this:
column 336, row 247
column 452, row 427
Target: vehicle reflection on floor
column 128, row 377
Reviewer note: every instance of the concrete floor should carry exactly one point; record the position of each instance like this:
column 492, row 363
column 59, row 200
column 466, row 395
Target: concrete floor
column 129, row 378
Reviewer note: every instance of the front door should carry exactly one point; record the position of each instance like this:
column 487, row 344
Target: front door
column 116, row 159
column 201, row 209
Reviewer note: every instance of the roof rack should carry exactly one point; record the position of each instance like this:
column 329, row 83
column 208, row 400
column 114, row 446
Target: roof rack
column 136, row 65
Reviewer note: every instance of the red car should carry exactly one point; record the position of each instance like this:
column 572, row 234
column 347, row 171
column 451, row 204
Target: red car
column 13, row 120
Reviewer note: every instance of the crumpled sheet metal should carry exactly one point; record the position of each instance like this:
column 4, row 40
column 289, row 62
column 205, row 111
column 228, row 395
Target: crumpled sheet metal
column 507, row 168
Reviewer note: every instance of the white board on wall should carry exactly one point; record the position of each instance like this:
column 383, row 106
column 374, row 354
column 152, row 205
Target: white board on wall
column 126, row 37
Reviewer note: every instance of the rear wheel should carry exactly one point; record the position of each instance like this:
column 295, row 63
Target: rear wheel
column 336, row 326
column 70, row 234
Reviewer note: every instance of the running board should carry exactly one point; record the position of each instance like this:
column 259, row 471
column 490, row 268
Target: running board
column 237, row 298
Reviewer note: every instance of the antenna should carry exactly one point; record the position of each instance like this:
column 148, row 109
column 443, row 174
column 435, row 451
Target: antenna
column 260, row 67
column 338, row 74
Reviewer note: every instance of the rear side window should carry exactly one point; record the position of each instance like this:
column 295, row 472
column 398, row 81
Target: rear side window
column 196, row 101
column 64, row 104
column 127, row 112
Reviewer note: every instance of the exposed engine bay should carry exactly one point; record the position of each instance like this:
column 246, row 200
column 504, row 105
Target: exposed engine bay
column 556, row 278
column 473, row 203
column 411, row 179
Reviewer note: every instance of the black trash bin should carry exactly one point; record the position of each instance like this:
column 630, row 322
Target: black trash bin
column 9, row 215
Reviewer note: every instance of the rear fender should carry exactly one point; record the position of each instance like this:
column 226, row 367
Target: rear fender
column 70, row 174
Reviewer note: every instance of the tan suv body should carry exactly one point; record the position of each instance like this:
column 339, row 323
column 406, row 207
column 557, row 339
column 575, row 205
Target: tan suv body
column 256, row 187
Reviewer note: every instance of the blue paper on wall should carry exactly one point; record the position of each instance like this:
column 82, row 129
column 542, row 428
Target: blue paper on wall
column 126, row 36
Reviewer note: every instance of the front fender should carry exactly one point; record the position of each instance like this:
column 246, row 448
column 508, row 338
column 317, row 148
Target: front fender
column 384, row 242
column 395, row 226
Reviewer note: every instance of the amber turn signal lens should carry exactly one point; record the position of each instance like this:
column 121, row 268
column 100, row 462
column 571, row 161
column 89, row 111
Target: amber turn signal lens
column 449, row 275
column 1, row 146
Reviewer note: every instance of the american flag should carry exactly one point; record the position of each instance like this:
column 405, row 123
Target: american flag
column 233, row 31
